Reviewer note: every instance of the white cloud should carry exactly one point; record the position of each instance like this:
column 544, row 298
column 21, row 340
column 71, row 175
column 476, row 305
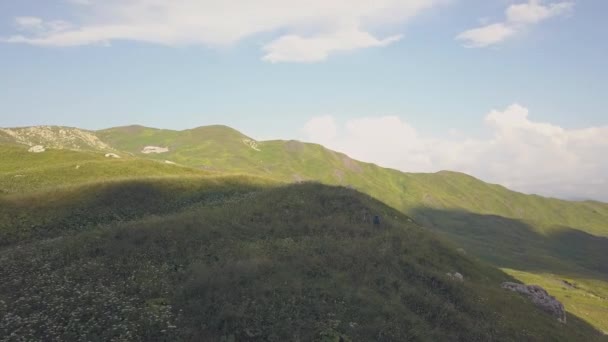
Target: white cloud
column 293, row 48
column 28, row 23
column 522, row 154
column 518, row 18
column 308, row 30
column 321, row 129
column 534, row 11
column 486, row 35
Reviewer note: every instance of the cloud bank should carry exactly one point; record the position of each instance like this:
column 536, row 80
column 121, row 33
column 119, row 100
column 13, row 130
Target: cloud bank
column 308, row 31
column 517, row 18
column 521, row 154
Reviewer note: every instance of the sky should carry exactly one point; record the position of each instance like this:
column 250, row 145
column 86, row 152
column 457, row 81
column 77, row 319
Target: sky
column 510, row 91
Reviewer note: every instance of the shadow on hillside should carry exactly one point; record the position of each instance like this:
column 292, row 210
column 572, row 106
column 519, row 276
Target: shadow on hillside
column 515, row 244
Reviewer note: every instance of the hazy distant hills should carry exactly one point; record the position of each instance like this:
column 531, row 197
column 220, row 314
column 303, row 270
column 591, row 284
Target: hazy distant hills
column 531, row 236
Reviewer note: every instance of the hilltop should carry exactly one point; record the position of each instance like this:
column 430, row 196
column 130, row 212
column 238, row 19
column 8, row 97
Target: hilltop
column 226, row 259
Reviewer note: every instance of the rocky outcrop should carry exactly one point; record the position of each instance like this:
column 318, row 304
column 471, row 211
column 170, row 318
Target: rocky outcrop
column 37, row 149
column 154, row 149
column 112, row 155
column 540, row 298
column 252, row 143
column 456, row 276
column 55, row 137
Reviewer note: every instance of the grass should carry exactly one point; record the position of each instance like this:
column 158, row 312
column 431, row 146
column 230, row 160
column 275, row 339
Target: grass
column 23, row 172
column 511, row 230
column 294, row 262
column 63, row 211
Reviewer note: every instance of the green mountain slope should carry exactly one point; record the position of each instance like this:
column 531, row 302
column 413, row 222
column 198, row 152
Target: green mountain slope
column 429, row 198
column 526, row 233
column 22, row 172
column 510, row 229
column 239, row 259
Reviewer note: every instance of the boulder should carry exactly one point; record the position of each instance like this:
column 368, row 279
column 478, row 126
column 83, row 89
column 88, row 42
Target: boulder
column 540, row 298
column 112, row 155
column 456, row 276
column 154, row 149
column 37, row 149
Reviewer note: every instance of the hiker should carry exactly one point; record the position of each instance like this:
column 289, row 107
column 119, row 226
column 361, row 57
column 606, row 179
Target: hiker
column 376, row 220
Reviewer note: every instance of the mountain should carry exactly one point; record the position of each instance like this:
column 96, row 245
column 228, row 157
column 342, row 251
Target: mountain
column 532, row 238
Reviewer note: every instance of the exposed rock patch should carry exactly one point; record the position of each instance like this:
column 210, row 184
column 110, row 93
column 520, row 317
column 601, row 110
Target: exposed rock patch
column 169, row 162
column 56, row 137
column 154, row 149
column 37, row 149
column 540, row 298
column 252, row 143
column 112, row 155
column 456, row 276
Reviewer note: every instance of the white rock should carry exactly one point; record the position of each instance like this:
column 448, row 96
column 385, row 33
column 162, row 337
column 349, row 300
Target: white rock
column 456, row 276
column 112, row 155
column 154, row 149
column 37, row 149
column 169, row 162
column 252, row 143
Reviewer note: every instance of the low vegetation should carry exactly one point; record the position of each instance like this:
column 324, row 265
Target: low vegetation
column 533, row 235
column 300, row 262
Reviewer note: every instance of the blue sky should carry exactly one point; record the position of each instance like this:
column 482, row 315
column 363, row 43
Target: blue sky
column 279, row 71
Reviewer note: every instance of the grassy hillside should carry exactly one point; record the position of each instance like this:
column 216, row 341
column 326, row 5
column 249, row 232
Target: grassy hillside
column 423, row 196
column 527, row 233
column 211, row 147
column 230, row 262
column 510, row 229
column 222, row 148
column 74, row 209
column 22, row 172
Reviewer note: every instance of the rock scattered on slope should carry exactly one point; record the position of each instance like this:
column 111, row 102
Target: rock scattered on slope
column 154, row 149
column 169, row 162
column 456, row 276
column 540, row 298
column 112, row 155
column 37, row 149
column 55, row 137
column 252, row 143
